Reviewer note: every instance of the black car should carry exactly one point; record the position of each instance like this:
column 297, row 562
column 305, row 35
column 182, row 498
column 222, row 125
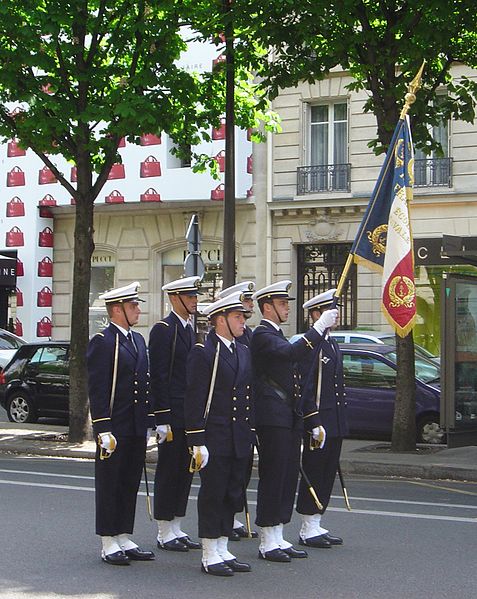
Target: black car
column 36, row 382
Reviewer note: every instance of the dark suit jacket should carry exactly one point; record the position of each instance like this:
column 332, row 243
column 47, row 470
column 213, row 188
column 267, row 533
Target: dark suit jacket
column 169, row 346
column 132, row 412
column 246, row 338
column 276, row 380
column 228, row 429
column 332, row 402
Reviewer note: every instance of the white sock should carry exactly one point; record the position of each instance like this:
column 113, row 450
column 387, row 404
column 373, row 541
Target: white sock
column 279, row 537
column 268, row 541
column 237, row 523
column 165, row 532
column 125, row 542
column 317, row 523
column 222, row 549
column 110, row 545
column 176, row 528
column 210, row 555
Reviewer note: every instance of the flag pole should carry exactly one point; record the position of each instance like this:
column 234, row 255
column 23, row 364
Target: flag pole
column 409, row 99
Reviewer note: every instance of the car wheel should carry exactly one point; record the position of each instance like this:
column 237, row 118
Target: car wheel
column 430, row 431
column 20, row 408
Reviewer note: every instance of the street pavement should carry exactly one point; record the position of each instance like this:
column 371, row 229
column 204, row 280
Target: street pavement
column 358, row 456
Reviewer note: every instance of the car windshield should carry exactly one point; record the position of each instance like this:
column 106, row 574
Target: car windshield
column 426, row 371
column 422, row 351
column 8, row 341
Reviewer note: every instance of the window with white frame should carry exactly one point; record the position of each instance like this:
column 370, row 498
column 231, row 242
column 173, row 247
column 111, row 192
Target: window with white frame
column 328, row 168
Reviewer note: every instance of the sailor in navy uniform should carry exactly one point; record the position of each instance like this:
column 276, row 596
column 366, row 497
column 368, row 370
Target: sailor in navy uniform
column 323, row 383
column 118, row 384
column 246, row 288
column 170, row 341
column 219, row 428
column 279, row 414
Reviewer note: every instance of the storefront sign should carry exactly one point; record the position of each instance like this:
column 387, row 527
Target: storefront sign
column 428, row 252
column 8, row 271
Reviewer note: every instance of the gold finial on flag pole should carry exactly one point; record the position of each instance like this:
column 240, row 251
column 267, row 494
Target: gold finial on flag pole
column 410, row 97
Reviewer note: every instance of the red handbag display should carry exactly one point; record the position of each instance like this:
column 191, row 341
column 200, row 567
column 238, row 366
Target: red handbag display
column 220, row 159
column 48, row 200
column 45, row 212
column 44, row 298
column 46, row 176
column 149, row 139
column 45, row 267
column 43, row 327
column 73, row 202
column 115, row 197
column 73, row 174
column 250, row 192
column 219, row 133
column 150, row 167
column 20, row 268
column 219, row 60
column 249, row 134
column 14, row 238
column 19, row 295
column 250, row 164
column 45, row 238
column 15, row 207
column 18, row 328
column 13, row 150
column 15, row 177
column 122, row 142
column 218, row 193
column 150, row 195
column 117, row 171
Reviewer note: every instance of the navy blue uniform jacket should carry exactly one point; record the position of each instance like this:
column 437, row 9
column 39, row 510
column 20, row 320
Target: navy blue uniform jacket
column 277, row 394
column 332, row 402
column 169, row 346
column 246, row 338
column 132, row 412
column 229, row 429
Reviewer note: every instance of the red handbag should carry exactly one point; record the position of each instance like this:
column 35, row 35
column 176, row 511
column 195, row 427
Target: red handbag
column 15, row 177
column 43, row 327
column 149, row 139
column 115, row 197
column 219, row 133
column 15, row 207
column 13, row 150
column 73, row 174
column 150, row 195
column 45, row 238
column 19, row 295
column 73, row 202
column 45, row 212
column 46, row 176
column 250, row 164
column 150, row 167
column 14, row 238
column 122, row 142
column 220, row 159
column 218, row 193
column 219, row 60
column 20, row 268
column 117, row 171
column 48, row 200
column 250, row 192
column 45, row 267
column 44, row 298
column 18, row 328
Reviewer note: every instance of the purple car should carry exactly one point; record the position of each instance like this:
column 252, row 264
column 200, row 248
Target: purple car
column 370, row 379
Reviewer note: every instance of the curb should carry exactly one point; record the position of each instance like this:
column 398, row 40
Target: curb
column 429, row 471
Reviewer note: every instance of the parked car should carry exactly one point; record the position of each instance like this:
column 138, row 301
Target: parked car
column 374, row 337
column 9, row 343
column 36, row 382
column 370, row 378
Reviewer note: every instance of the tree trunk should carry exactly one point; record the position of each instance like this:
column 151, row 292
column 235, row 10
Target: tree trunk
column 404, row 421
column 80, row 429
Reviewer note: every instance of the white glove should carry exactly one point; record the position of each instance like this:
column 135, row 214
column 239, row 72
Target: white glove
column 107, row 441
column 319, row 434
column 161, row 432
column 148, row 435
column 201, row 455
column 327, row 320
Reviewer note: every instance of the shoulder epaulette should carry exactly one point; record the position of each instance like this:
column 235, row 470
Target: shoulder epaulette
column 261, row 325
column 163, row 322
column 100, row 334
column 200, row 344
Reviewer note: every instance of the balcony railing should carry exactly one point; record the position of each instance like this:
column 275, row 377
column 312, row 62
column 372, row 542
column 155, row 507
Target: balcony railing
column 433, row 172
column 323, row 177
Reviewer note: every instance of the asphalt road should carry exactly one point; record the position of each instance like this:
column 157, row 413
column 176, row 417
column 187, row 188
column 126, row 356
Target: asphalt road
column 403, row 539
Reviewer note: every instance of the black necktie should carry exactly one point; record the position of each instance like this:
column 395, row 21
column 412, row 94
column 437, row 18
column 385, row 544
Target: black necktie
column 232, row 347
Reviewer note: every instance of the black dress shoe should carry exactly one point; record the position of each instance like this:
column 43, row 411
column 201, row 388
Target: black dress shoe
column 275, row 555
column 189, row 543
column 333, row 540
column 220, row 569
column 118, row 558
column 234, row 536
column 139, row 555
column 236, row 566
column 242, row 532
column 292, row 552
column 320, row 542
column 174, row 545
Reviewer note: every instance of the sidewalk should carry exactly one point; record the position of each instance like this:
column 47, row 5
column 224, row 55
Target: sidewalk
column 358, row 457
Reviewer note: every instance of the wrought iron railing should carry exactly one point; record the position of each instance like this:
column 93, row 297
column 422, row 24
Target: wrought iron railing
column 433, row 172
column 323, row 177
